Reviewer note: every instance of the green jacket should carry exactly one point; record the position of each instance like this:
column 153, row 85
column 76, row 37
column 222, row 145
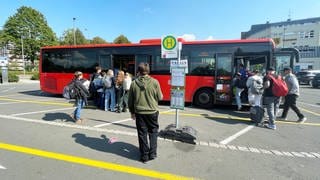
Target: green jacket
column 144, row 95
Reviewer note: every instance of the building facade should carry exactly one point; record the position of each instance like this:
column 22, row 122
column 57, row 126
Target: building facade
column 303, row 34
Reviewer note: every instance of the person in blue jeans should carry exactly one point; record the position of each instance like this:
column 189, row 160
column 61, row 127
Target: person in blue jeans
column 270, row 101
column 109, row 92
column 81, row 86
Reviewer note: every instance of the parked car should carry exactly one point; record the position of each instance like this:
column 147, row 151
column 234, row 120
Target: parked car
column 316, row 81
column 305, row 77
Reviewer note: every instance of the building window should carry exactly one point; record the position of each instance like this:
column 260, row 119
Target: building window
column 311, row 34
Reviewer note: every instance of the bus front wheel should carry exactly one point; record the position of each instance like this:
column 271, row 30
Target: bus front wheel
column 204, row 98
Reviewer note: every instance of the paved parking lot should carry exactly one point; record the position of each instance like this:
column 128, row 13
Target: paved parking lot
column 224, row 136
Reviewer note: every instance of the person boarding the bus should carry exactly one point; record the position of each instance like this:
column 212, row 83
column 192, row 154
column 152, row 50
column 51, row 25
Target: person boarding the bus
column 269, row 99
column 109, row 91
column 291, row 97
column 82, row 87
column 144, row 95
column 255, row 88
column 240, row 84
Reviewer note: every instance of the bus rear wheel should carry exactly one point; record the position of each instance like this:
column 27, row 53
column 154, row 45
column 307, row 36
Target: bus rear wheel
column 204, row 98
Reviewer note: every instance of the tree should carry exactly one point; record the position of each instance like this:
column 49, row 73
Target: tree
column 276, row 41
column 98, row 40
column 68, row 38
column 28, row 27
column 121, row 40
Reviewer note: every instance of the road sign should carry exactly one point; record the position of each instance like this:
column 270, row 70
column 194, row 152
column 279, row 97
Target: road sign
column 169, row 47
column 182, row 64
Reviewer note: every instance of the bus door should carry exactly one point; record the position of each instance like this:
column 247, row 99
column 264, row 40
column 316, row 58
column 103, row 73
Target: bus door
column 142, row 58
column 223, row 79
column 286, row 57
column 124, row 62
column 105, row 61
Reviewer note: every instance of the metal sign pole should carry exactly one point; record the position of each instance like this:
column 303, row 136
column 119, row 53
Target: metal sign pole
column 179, row 59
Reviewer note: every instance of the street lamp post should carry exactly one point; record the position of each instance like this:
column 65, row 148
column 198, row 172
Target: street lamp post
column 74, row 32
column 22, row 52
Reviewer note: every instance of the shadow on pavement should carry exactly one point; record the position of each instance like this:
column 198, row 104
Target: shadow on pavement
column 108, row 145
column 40, row 93
column 230, row 118
column 57, row 116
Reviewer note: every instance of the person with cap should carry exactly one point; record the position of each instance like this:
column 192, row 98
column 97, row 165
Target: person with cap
column 291, row 98
column 270, row 101
column 82, row 87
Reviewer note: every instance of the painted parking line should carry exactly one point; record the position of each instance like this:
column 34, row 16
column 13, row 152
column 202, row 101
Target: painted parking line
column 235, row 118
column 36, row 112
column 6, row 90
column 93, row 163
column 200, row 143
column 236, row 135
column 2, row 167
column 6, row 103
column 36, row 102
column 311, row 112
column 115, row 122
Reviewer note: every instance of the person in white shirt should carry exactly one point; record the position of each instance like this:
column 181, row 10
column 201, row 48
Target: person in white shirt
column 255, row 88
column 126, row 86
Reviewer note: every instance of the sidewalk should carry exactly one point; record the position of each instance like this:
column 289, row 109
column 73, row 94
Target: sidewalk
column 26, row 79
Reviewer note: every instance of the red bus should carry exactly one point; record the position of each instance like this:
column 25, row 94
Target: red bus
column 211, row 64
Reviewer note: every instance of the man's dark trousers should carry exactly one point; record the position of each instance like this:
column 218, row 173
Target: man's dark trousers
column 290, row 101
column 147, row 124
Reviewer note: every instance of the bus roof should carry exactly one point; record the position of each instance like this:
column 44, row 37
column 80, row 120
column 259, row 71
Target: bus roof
column 157, row 41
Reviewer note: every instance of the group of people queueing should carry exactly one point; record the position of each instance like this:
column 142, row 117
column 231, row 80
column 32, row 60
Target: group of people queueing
column 110, row 92
column 260, row 93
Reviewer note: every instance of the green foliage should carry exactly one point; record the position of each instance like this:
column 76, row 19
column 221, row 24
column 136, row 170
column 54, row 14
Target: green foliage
column 35, row 76
column 29, row 26
column 68, row 38
column 98, row 40
column 121, row 40
column 13, row 77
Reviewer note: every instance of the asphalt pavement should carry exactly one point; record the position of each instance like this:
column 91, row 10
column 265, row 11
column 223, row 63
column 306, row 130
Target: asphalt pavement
column 39, row 140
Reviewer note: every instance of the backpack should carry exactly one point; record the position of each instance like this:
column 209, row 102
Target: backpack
column 256, row 86
column 279, row 87
column 256, row 114
column 70, row 91
column 242, row 83
column 107, row 82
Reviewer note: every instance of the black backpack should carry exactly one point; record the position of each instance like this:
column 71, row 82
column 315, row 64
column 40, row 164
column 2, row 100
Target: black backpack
column 70, row 91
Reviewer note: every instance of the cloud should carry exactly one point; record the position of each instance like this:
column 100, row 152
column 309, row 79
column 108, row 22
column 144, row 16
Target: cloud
column 210, row 38
column 189, row 37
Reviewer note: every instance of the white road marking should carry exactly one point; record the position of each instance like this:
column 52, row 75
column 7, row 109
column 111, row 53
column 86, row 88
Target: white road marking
column 115, row 122
column 124, row 120
column 36, row 112
column 309, row 104
column 6, row 90
column 201, row 143
column 9, row 103
column 2, row 167
column 233, row 137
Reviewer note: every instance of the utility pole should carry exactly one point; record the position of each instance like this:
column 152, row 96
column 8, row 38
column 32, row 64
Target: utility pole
column 74, row 32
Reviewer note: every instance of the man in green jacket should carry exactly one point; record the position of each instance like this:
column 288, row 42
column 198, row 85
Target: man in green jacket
column 144, row 95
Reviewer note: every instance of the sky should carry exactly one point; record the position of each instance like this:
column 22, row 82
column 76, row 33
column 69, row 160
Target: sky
column 144, row 19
